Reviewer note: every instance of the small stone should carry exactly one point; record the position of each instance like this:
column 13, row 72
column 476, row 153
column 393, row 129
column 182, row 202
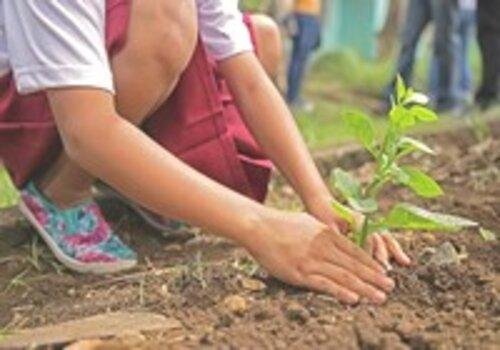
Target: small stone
column 253, row 284
column 297, row 313
column 236, row 304
column 445, row 254
column 225, row 321
column 429, row 238
column 469, row 315
column 164, row 290
column 71, row 292
column 327, row 320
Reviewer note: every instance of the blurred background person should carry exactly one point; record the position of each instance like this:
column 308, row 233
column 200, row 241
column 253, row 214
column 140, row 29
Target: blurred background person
column 444, row 15
column 305, row 28
column 463, row 79
column 489, row 43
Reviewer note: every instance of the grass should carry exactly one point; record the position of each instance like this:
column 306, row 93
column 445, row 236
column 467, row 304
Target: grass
column 343, row 81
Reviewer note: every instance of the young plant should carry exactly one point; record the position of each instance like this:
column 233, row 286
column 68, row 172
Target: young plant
column 408, row 110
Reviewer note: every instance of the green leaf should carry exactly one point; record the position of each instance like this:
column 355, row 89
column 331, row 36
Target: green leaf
column 400, row 89
column 411, row 217
column 423, row 114
column 344, row 212
column 408, row 144
column 350, row 189
column 8, row 193
column 421, row 183
column 361, row 127
column 402, row 118
column 487, row 235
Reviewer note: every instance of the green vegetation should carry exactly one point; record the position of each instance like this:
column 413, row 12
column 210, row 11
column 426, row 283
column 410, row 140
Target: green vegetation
column 8, row 194
column 408, row 110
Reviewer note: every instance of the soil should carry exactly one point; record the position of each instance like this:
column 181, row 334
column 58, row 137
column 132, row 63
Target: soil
column 224, row 301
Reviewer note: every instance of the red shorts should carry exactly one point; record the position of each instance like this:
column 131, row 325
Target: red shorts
column 199, row 123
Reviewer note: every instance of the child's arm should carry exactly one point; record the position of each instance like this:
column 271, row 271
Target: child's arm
column 296, row 248
column 272, row 124
column 270, row 121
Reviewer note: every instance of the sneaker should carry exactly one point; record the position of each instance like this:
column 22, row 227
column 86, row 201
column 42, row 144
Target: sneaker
column 169, row 228
column 79, row 237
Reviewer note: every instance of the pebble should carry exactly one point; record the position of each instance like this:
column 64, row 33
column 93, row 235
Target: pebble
column 469, row 314
column 297, row 313
column 253, row 284
column 236, row 304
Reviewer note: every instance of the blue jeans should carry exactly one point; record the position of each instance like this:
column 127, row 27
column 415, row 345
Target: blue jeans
column 305, row 41
column 463, row 82
column 444, row 14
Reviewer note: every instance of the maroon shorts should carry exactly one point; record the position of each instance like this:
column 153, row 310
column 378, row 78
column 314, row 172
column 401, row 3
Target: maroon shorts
column 199, row 123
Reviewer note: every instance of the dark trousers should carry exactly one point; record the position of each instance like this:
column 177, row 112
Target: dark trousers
column 489, row 43
column 305, row 41
column 445, row 15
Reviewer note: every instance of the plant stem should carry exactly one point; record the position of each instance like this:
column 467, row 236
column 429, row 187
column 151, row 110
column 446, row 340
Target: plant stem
column 363, row 234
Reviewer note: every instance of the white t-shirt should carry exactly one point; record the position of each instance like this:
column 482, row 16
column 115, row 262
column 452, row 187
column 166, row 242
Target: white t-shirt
column 61, row 43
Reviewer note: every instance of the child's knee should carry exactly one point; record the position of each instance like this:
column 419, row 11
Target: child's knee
column 177, row 36
column 269, row 43
column 163, row 33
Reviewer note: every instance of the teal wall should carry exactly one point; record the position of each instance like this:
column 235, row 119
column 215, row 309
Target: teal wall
column 354, row 24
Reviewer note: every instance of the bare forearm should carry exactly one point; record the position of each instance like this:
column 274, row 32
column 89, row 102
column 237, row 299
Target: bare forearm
column 270, row 121
column 123, row 156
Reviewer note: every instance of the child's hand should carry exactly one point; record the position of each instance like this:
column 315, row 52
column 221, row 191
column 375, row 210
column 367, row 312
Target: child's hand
column 299, row 250
column 382, row 246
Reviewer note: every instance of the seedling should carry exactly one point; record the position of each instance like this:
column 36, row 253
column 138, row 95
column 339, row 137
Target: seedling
column 408, row 110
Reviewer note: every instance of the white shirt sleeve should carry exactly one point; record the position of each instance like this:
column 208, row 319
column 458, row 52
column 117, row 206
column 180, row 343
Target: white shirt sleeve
column 57, row 43
column 222, row 29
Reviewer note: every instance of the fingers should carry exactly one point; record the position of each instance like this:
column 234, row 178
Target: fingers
column 352, row 283
column 358, row 254
column 327, row 286
column 366, row 274
column 395, row 249
column 380, row 251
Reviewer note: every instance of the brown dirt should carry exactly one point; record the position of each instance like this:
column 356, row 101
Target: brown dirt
column 212, row 288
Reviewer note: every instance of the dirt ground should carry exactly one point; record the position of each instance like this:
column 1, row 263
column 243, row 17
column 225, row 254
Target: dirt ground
column 224, row 301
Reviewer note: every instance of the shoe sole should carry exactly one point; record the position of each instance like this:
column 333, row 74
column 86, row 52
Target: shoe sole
column 73, row 264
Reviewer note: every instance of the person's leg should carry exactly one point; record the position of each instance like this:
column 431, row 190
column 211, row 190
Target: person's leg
column 489, row 43
column 145, row 72
column 417, row 17
column 296, row 64
column 445, row 16
column 467, row 27
column 304, row 45
column 463, row 82
column 269, row 43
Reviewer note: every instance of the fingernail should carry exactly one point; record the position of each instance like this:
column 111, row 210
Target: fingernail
column 407, row 259
column 389, row 283
column 353, row 299
column 380, row 297
column 388, row 266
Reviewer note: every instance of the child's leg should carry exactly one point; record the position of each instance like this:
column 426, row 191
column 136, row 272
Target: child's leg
column 145, row 71
column 269, row 43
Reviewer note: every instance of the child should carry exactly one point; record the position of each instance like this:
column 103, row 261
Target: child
column 92, row 71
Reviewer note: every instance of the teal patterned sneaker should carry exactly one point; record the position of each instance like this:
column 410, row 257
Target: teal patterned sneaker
column 79, row 237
